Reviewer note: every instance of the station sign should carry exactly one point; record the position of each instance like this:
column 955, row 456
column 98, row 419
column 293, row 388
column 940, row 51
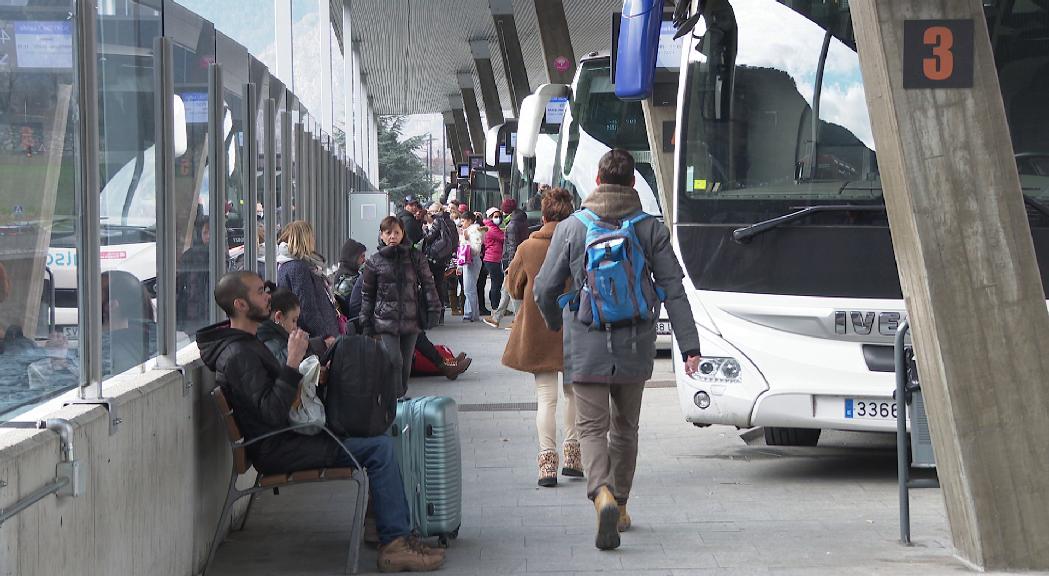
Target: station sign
column 938, row 54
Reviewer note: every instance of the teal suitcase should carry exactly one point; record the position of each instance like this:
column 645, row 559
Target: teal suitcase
column 426, row 430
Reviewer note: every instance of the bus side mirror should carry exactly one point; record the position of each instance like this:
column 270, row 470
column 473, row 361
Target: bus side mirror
column 533, row 114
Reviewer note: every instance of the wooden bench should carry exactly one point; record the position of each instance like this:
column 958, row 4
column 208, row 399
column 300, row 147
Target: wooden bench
column 241, row 463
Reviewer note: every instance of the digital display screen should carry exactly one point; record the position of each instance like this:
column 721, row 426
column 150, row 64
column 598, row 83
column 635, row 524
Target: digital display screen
column 477, row 163
column 669, row 54
column 504, row 156
column 41, row 44
column 555, row 110
column 464, row 170
column 196, row 104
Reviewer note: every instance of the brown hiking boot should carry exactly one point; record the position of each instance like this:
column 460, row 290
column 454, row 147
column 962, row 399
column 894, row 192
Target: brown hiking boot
column 402, row 555
column 624, row 519
column 453, row 367
column 425, row 548
column 607, row 520
column 573, row 460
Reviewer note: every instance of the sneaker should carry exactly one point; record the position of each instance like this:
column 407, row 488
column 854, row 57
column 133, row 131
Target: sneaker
column 405, row 555
column 490, row 321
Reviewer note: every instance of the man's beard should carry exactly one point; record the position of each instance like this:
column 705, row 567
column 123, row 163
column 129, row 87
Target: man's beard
column 258, row 314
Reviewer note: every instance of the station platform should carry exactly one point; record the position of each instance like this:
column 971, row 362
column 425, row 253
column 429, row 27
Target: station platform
column 704, row 502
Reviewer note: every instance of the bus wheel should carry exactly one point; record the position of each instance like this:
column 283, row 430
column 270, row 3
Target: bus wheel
column 792, row 436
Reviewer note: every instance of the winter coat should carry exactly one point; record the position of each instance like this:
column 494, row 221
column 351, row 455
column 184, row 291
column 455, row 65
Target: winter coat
column 532, row 346
column 442, row 239
column 475, row 237
column 413, row 229
column 346, row 275
column 302, row 278
column 261, row 392
column 516, row 233
column 627, row 357
column 493, row 242
column 390, row 292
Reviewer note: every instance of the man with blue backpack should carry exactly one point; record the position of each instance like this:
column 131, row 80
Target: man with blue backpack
column 623, row 269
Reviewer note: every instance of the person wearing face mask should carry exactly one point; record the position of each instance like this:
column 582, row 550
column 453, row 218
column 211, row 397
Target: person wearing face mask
column 493, row 254
column 398, row 298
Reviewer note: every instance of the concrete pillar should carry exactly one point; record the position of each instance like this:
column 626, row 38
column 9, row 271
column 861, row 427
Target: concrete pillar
column 493, row 107
column 510, row 48
column 473, row 113
column 556, row 40
column 970, row 279
column 465, row 146
column 452, row 137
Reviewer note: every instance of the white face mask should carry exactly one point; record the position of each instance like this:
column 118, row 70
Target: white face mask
column 497, row 220
column 458, row 221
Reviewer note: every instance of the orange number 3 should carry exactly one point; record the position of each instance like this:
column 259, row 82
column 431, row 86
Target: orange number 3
column 941, row 65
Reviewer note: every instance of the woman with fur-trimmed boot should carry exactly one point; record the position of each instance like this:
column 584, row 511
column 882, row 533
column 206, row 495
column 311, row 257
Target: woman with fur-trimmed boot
column 532, row 347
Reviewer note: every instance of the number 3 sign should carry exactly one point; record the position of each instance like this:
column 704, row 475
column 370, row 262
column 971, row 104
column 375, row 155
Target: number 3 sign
column 937, row 54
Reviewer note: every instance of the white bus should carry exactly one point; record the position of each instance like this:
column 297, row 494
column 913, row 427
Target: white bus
column 594, row 122
column 780, row 221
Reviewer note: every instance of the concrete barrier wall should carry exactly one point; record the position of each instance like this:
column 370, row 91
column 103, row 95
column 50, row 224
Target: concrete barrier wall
column 153, row 489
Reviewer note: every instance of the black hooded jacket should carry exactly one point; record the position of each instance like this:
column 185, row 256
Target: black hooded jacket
column 261, row 391
column 516, row 232
column 348, row 272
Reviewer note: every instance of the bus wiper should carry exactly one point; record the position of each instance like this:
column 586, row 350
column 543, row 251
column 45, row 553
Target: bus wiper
column 743, row 235
column 1037, row 205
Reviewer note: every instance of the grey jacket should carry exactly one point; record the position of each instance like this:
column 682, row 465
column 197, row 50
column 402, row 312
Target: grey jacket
column 587, row 356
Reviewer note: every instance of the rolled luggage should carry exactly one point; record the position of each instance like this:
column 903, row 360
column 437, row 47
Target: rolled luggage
column 426, row 430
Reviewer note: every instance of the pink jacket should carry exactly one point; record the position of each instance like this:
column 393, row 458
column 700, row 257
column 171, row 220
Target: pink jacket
column 493, row 242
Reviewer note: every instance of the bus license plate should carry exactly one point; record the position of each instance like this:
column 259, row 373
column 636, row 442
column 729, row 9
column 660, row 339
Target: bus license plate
column 870, row 409
column 663, row 328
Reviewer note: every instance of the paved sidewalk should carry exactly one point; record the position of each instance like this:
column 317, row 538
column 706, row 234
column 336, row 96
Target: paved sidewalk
column 704, row 502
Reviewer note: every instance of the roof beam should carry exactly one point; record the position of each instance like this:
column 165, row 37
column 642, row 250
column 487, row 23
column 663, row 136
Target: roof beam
column 510, row 49
column 473, row 113
column 556, row 40
column 493, row 108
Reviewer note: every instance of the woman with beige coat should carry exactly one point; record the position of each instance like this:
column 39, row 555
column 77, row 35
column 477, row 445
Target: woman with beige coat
column 532, row 347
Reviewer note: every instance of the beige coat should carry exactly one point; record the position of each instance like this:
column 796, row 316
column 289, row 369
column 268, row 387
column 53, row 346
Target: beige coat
column 532, row 346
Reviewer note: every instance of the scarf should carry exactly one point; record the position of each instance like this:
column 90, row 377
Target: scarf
column 613, row 202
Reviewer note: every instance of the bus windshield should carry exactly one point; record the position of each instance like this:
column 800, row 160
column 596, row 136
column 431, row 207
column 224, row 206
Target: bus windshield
column 776, row 118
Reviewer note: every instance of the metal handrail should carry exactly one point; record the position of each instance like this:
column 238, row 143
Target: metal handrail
column 64, row 429
column 902, row 448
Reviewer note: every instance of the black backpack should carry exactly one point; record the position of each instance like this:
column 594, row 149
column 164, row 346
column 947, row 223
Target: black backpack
column 447, row 240
column 358, row 399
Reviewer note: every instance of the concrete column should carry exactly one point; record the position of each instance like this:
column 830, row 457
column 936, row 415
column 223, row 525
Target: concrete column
column 452, row 137
column 556, row 40
column 970, row 280
column 493, row 107
column 473, row 113
column 285, row 51
column 456, row 103
column 510, row 49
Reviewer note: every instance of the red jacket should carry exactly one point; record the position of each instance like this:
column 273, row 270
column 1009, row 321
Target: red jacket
column 493, row 242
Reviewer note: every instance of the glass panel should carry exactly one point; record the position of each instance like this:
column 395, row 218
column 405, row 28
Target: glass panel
column 129, row 198
column 280, row 97
column 306, row 29
column 260, row 77
column 37, row 217
column 250, row 23
column 234, row 60
column 194, row 51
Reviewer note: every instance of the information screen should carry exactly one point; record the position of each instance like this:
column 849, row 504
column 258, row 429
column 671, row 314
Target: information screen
column 504, row 156
column 464, row 170
column 41, row 44
column 555, row 110
column 669, row 54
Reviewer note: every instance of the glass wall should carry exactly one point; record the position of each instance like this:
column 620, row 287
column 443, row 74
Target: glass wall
column 41, row 308
column 250, row 23
column 38, row 306
column 306, row 32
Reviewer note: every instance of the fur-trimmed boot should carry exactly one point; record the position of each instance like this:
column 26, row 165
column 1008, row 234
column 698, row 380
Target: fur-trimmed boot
column 573, row 460
column 548, row 468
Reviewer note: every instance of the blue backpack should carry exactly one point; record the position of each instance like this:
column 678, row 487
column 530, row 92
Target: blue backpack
column 618, row 289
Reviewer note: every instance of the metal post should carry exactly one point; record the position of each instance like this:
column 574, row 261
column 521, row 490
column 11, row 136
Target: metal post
column 250, row 176
column 286, row 147
column 902, row 465
column 89, row 281
column 164, row 115
column 216, row 184
column 269, row 203
column 300, row 169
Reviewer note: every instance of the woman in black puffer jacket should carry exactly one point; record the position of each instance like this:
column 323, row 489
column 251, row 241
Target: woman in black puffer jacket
column 394, row 281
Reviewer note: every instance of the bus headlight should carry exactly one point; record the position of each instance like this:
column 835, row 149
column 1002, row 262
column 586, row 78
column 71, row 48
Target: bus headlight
column 718, row 370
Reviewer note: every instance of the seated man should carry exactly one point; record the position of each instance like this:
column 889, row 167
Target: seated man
column 261, row 392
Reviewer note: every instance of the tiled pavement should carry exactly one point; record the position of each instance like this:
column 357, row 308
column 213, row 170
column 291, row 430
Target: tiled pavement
column 703, row 502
